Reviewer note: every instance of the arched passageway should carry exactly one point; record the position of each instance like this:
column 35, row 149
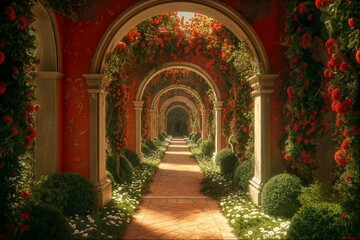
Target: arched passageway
column 177, row 121
column 262, row 84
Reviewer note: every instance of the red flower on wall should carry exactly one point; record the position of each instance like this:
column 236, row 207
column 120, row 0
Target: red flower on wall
column 352, row 22
column 11, row 14
column 345, row 144
column 2, row 88
column 336, row 94
column 344, row 67
column 340, row 158
column 302, row 8
column 357, row 56
column 2, row 57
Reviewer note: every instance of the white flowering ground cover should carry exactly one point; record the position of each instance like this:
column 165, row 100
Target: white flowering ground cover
column 247, row 220
column 110, row 222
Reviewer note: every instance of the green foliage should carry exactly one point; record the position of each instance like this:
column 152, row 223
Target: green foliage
column 314, row 193
column 70, row 193
column 227, row 160
column 112, row 166
column 195, row 137
column 318, row 221
column 243, row 173
column 279, row 196
column 126, row 169
column 145, row 149
column 132, row 157
column 207, row 147
column 199, row 141
column 46, row 222
column 151, row 145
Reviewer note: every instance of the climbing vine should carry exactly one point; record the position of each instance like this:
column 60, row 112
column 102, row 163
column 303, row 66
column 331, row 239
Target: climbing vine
column 306, row 100
column 17, row 133
column 341, row 19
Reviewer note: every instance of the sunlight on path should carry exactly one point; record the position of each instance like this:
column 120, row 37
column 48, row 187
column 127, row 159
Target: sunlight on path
column 174, row 208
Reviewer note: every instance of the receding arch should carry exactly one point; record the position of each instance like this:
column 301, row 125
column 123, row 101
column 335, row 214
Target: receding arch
column 173, row 87
column 164, row 107
column 178, row 65
column 149, row 8
column 179, row 126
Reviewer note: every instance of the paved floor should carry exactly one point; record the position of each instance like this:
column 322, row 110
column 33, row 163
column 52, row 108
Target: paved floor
column 174, row 208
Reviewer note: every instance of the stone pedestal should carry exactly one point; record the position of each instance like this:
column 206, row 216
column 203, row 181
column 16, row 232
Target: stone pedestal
column 262, row 85
column 47, row 123
column 98, row 137
column 138, row 107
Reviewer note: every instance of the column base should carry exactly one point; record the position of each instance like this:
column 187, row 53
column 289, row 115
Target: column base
column 104, row 192
column 255, row 191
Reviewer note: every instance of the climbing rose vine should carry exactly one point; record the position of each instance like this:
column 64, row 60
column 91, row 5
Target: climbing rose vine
column 17, row 133
column 306, row 100
column 341, row 19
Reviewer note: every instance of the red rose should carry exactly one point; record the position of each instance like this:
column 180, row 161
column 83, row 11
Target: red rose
column 2, row 88
column 357, row 56
column 336, row 94
column 287, row 157
column 120, row 46
column 330, row 42
column 299, row 138
column 339, row 108
column 14, row 132
column 345, row 144
column 296, row 127
column 30, row 108
column 339, row 122
column 37, row 107
column 330, row 88
column 9, row 119
column 343, row 216
column 302, row 8
column 24, row 216
column 344, row 67
column 290, row 93
column 23, row 23
column 11, row 15
column 2, row 57
column 310, row 17
column 347, row 178
column 352, row 22
column 24, row 194
column 340, row 158
column 334, row 62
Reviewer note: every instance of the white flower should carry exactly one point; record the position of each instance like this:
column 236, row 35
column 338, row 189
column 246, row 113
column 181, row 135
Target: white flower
column 250, row 232
column 85, row 235
column 271, row 233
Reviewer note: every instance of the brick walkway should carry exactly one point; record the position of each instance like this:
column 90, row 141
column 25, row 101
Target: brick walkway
column 174, row 208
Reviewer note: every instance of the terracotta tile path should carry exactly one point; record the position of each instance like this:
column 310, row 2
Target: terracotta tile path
column 174, row 208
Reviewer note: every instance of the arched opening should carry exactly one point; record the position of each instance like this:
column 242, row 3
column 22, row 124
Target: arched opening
column 177, row 121
column 230, row 18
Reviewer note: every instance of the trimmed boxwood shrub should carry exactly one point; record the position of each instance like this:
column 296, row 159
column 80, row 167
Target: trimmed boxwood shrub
column 145, row 149
column 199, row 141
column 46, row 222
column 279, row 196
column 227, row 160
column 112, row 166
column 243, row 173
column 126, row 169
column 318, row 221
column 191, row 135
column 207, row 147
column 132, row 157
column 69, row 192
column 151, row 145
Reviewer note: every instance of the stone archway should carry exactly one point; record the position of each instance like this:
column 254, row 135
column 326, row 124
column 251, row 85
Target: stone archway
column 47, row 76
column 262, row 83
column 177, row 99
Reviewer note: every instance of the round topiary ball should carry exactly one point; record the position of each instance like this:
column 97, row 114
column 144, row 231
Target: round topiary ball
column 46, row 222
column 279, row 196
column 243, row 173
column 151, row 145
column 318, row 221
column 227, row 161
column 69, row 192
column 145, row 149
column 132, row 157
column 126, row 169
column 207, row 147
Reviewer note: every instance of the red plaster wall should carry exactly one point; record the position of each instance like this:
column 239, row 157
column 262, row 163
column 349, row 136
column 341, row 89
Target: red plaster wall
column 79, row 42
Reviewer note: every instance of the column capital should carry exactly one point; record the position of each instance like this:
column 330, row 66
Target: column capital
column 262, row 83
column 138, row 104
column 95, row 82
column 218, row 104
column 153, row 112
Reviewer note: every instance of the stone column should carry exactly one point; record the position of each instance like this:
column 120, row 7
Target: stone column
column 156, row 124
column 262, row 85
column 98, row 137
column 47, row 123
column 218, row 110
column 203, row 123
column 138, row 107
column 152, row 124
